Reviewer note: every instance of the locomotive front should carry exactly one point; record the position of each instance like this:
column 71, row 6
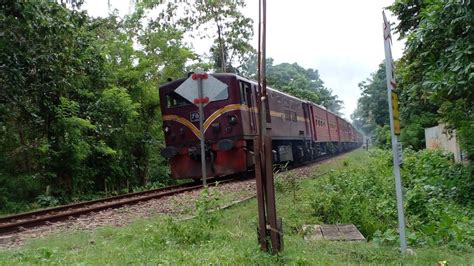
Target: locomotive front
column 225, row 153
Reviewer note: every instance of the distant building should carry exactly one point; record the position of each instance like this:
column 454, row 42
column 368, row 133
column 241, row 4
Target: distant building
column 438, row 138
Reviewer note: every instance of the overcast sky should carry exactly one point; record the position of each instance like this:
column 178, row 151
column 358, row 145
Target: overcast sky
column 342, row 39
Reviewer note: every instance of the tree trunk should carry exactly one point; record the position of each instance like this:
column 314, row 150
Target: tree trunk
column 222, row 46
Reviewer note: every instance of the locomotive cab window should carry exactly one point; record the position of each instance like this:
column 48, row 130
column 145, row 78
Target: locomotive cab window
column 175, row 100
column 245, row 92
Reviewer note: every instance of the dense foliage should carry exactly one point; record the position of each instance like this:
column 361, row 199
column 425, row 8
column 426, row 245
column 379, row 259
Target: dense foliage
column 303, row 83
column 436, row 71
column 372, row 106
column 79, row 105
column 438, row 199
column 435, row 75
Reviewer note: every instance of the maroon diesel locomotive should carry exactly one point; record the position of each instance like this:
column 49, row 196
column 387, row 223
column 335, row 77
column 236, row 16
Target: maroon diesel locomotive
column 300, row 130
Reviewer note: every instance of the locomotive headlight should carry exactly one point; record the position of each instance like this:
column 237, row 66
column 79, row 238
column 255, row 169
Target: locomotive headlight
column 232, row 119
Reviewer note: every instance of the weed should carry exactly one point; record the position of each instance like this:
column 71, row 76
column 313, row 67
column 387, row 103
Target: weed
column 200, row 228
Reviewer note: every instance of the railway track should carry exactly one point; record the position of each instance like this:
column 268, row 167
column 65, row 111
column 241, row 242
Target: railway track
column 22, row 221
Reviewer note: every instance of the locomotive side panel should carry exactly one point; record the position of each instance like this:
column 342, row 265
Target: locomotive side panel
column 287, row 117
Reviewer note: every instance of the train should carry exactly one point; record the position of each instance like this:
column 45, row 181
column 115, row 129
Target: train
column 301, row 131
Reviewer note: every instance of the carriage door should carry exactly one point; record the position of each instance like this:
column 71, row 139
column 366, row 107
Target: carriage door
column 312, row 126
column 252, row 104
column 248, row 102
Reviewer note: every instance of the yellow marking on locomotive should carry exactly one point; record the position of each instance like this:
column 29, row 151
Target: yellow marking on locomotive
column 183, row 121
column 219, row 112
column 283, row 116
column 208, row 121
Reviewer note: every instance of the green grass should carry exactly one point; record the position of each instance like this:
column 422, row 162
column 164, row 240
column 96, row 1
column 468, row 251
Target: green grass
column 225, row 238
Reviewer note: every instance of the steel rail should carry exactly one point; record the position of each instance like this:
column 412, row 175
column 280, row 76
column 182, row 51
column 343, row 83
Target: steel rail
column 13, row 218
column 15, row 223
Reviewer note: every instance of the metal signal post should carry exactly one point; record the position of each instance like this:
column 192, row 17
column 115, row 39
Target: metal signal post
column 201, row 101
column 395, row 129
column 269, row 227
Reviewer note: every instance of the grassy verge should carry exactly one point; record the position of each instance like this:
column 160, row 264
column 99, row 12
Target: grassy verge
column 229, row 236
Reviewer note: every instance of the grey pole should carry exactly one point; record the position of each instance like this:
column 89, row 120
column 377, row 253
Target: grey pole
column 201, row 128
column 395, row 153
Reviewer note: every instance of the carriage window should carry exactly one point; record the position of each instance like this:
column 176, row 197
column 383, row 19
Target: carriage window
column 174, row 100
column 267, row 111
column 293, row 117
column 287, row 115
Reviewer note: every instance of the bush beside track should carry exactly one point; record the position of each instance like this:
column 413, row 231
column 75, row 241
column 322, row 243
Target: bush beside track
column 437, row 196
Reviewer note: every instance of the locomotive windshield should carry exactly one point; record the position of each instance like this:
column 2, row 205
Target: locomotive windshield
column 175, row 100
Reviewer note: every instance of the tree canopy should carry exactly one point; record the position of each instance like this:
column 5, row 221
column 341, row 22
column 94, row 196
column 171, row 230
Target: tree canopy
column 372, row 106
column 436, row 71
column 79, row 109
column 303, row 83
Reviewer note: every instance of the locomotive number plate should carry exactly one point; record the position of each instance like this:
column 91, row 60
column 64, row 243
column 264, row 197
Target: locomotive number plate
column 194, row 116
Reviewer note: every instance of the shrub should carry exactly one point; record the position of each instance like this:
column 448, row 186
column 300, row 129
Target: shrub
column 438, row 199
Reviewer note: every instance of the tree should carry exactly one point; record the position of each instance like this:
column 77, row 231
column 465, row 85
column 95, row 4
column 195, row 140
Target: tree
column 233, row 31
column 50, row 62
column 436, row 71
column 222, row 22
column 372, row 106
column 303, row 83
column 79, row 106
column 372, row 110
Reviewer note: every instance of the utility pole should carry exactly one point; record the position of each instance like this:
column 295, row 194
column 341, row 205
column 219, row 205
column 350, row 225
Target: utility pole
column 395, row 129
column 269, row 226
